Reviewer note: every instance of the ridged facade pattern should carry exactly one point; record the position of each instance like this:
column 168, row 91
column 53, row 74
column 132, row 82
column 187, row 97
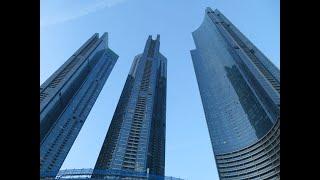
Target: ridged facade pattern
column 258, row 161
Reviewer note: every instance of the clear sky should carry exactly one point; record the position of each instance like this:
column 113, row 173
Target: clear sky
column 66, row 24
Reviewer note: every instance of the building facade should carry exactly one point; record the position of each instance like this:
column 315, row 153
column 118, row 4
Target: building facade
column 67, row 97
column 135, row 140
column 240, row 92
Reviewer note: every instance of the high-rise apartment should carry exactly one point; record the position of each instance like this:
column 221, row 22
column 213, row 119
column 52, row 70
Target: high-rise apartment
column 135, row 141
column 67, row 97
column 240, row 92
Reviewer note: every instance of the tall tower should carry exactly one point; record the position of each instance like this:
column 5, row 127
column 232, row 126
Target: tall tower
column 240, row 92
column 67, row 97
column 135, row 140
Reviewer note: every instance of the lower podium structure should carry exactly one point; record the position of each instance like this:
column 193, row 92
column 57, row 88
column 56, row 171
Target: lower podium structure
column 77, row 174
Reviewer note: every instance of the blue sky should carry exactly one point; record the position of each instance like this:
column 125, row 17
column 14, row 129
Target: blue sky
column 66, row 24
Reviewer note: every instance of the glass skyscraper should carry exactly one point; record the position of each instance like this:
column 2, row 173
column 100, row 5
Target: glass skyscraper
column 67, row 97
column 135, row 141
column 240, row 92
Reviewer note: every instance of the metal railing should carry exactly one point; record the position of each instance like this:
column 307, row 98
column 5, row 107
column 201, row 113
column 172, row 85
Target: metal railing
column 110, row 174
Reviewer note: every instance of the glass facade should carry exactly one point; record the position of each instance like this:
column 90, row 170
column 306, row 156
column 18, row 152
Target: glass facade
column 67, row 97
column 240, row 92
column 135, row 140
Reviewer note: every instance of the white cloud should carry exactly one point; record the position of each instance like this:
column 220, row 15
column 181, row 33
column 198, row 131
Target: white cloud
column 75, row 13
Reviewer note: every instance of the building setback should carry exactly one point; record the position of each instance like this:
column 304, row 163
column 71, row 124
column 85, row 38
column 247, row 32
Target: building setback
column 240, row 92
column 135, row 140
column 67, row 97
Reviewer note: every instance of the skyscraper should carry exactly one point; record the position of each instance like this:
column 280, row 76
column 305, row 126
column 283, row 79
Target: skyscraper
column 240, row 92
column 135, row 140
column 67, row 97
